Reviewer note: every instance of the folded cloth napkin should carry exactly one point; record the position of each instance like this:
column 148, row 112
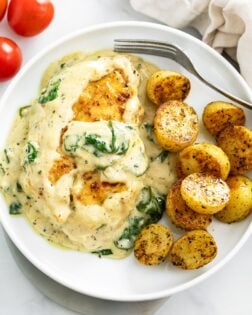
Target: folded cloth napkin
column 224, row 24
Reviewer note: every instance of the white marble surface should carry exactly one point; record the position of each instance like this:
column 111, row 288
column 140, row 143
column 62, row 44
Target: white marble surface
column 228, row 292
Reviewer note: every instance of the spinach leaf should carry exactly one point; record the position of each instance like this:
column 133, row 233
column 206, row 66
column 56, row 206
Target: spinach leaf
column 101, row 146
column 127, row 239
column 151, row 203
column 31, row 153
column 51, row 94
column 152, row 206
column 161, row 156
column 23, row 110
column 97, row 143
column 15, row 208
column 149, row 130
column 103, row 252
column 122, row 148
column 71, row 143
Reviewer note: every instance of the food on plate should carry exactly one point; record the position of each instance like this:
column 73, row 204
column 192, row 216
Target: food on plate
column 218, row 115
column 153, row 244
column 193, row 250
column 181, row 215
column 90, row 163
column 30, row 17
column 10, row 58
column 240, row 202
column 203, row 158
column 79, row 162
column 205, row 193
column 3, row 8
column 176, row 125
column 236, row 142
column 165, row 85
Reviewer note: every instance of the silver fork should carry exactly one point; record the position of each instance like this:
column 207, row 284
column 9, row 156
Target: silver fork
column 152, row 47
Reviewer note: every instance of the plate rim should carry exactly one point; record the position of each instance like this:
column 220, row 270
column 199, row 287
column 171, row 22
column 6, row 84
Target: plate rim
column 129, row 297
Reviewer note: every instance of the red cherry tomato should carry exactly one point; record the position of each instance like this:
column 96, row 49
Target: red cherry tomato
column 3, row 7
column 10, row 58
column 30, row 17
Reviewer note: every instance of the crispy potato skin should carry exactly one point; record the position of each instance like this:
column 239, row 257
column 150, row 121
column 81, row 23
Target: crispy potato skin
column 218, row 115
column 94, row 191
column 153, row 244
column 193, row 250
column 167, row 85
column 205, row 193
column 240, row 203
column 181, row 215
column 236, row 142
column 176, row 125
column 203, row 158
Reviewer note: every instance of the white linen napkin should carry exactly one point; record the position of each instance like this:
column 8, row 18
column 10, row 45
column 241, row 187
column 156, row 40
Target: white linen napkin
column 224, row 24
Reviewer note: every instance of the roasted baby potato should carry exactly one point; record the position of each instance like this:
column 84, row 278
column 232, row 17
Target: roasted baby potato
column 204, row 193
column 167, row 85
column 236, row 142
column 176, row 125
column 240, row 202
column 203, row 158
column 219, row 115
column 153, row 244
column 193, row 250
column 181, row 215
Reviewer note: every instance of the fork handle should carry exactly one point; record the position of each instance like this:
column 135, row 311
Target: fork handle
column 227, row 94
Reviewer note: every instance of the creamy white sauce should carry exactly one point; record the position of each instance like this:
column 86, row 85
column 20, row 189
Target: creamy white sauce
column 49, row 206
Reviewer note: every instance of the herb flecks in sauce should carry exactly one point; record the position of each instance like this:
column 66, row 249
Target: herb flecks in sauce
column 19, row 187
column 7, row 158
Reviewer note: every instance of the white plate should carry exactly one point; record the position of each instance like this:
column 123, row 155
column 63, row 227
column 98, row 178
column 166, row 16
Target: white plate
column 123, row 280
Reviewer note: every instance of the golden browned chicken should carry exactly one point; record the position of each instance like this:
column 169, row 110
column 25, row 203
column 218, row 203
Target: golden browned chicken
column 103, row 99
column 60, row 167
column 94, row 191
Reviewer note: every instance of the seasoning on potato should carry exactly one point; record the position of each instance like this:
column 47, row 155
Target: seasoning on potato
column 181, row 215
column 219, row 115
column 153, row 244
column 193, row 250
column 205, row 193
column 176, row 125
column 165, row 85
column 203, row 157
column 240, row 203
column 236, row 142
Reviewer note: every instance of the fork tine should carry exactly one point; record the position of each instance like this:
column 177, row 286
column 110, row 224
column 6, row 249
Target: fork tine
column 144, row 46
column 160, row 53
column 145, row 42
column 144, row 49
